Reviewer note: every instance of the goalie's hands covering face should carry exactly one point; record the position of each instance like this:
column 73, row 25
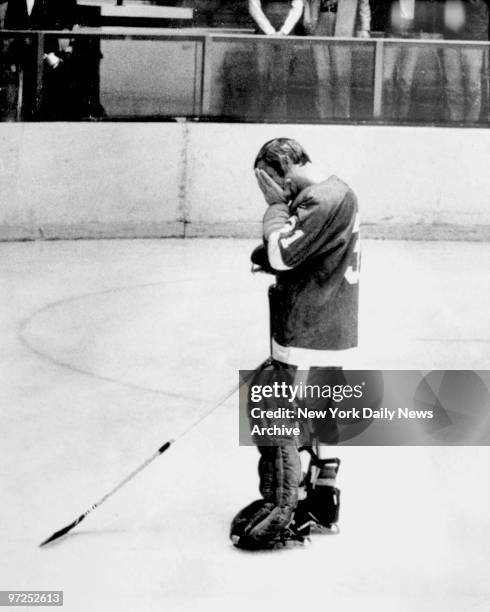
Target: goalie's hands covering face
column 273, row 192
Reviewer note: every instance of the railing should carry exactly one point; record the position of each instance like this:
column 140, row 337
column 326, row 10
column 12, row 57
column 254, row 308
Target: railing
column 130, row 74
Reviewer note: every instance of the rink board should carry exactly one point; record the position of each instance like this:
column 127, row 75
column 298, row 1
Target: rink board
column 133, row 180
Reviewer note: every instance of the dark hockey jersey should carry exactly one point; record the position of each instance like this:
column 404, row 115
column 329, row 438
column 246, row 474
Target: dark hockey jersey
column 313, row 247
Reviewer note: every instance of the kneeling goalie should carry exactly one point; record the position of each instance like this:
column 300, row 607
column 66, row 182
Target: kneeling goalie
column 311, row 245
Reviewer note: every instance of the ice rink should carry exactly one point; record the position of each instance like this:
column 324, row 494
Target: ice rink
column 109, row 348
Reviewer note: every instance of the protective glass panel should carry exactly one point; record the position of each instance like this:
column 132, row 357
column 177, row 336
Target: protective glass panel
column 149, row 78
column 289, row 80
column 434, row 82
column 89, row 77
column 243, row 78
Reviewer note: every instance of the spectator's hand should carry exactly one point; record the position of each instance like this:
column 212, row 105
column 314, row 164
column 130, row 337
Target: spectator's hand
column 364, row 34
column 273, row 193
column 52, row 59
column 309, row 27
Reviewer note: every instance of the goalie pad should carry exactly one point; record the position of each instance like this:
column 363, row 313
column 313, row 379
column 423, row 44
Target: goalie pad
column 262, row 410
column 247, row 519
column 267, row 523
column 320, row 509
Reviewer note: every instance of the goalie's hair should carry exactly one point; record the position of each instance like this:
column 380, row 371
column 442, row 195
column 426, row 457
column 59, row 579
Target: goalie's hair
column 280, row 153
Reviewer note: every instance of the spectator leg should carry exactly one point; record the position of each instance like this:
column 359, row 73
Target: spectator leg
column 390, row 61
column 264, row 69
column 9, row 98
column 341, row 59
column 472, row 63
column 273, row 67
column 453, row 82
column 321, row 60
column 281, row 67
column 406, row 70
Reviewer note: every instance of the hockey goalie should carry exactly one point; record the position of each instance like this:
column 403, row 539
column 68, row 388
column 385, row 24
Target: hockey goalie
column 311, row 245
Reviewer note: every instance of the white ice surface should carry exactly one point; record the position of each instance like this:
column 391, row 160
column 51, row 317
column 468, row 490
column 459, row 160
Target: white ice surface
column 109, row 348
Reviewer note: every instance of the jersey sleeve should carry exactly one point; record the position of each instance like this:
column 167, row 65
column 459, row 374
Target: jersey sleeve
column 316, row 226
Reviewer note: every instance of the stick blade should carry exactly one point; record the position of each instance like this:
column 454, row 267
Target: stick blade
column 62, row 532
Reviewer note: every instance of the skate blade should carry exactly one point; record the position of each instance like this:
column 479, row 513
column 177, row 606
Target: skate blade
column 287, row 544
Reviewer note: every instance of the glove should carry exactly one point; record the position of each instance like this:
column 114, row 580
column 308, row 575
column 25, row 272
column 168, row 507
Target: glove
column 260, row 260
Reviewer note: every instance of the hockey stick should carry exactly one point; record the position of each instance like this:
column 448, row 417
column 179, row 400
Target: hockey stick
column 160, row 451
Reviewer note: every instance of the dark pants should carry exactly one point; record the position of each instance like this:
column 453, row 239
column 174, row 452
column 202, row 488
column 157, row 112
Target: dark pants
column 274, row 66
column 332, row 62
column 399, row 63
column 463, row 82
